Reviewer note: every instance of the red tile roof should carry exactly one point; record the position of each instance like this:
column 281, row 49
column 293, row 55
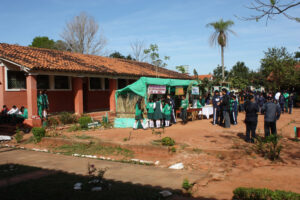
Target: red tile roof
column 208, row 76
column 54, row 60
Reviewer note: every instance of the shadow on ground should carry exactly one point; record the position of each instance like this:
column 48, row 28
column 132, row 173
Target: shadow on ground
column 60, row 185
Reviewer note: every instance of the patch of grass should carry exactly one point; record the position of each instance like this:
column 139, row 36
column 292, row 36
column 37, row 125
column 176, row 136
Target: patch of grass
column 18, row 136
column 183, row 146
column 220, row 156
column 74, row 128
column 84, row 137
column 29, row 140
column 168, row 141
column 10, row 170
column 156, row 142
column 94, row 149
column 198, row 151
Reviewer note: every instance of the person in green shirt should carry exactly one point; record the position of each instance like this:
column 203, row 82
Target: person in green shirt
column 138, row 114
column 45, row 103
column 167, row 112
column 183, row 106
column 286, row 100
column 24, row 112
column 40, row 104
column 150, row 111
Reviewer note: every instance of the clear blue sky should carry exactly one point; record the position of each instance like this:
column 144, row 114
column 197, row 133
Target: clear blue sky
column 176, row 26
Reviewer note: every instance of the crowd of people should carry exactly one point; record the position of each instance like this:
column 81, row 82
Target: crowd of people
column 14, row 115
column 226, row 106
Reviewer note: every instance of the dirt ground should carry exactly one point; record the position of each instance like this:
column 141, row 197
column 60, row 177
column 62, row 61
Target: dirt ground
column 222, row 153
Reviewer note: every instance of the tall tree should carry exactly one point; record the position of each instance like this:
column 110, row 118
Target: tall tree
column 218, row 74
column 117, row 54
column 183, row 69
column 270, row 8
column 278, row 67
column 239, row 75
column 220, row 37
column 82, row 35
column 42, row 42
column 155, row 59
column 45, row 42
column 138, row 48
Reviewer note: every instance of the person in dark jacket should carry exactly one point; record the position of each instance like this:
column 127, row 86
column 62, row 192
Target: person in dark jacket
column 172, row 104
column 291, row 102
column 272, row 114
column 261, row 101
column 251, row 109
column 225, row 104
column 216, row 106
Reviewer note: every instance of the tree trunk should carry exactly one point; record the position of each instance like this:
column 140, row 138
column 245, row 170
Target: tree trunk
column 222, row 61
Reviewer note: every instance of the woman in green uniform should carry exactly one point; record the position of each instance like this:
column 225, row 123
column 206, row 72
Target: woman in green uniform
column 150, row 111
column 138, row 114
column 167, row 113
column 183, row 106
column 45, row 104
column 157, row 116
column 40, row 104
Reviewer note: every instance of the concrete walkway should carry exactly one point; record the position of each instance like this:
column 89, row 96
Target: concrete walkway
column 136, row 174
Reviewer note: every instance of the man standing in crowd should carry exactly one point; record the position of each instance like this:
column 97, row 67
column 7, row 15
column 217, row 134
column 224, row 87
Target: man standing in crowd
column 261, row 101
column 225, row 104
column 272, row 114
column 291, row 102
column 216, row 106
column 286, row 100
column 251, row 109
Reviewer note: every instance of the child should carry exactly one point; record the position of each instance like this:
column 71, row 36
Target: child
column 234, row 106
column 157, row 116
column 150, row 108
column 167, row 113
column 183, row 106
column 138, row 114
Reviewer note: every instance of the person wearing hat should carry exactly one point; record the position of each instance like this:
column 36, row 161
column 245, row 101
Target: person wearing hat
column 251, row 109
column 216, row 106
column 225, row 104
column 272, row 113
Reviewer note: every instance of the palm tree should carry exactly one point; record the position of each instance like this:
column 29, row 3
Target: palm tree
column 220, row 36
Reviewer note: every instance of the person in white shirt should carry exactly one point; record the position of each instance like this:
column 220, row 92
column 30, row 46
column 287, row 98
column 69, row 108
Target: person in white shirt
column 13, row 111
column 277, row 95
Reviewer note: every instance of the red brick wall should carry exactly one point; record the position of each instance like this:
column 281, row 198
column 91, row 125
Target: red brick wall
column 18, row 98
column 61, row 101
column 97, row 100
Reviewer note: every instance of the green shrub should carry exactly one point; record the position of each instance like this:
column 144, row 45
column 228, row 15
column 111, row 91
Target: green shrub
column 52, row 122
column 167, row 141
column 66, row 118
column 84, row 121
column 269, row 147
column 18, row 136
column 263, row 194
column 186, row 184
column 38, row 133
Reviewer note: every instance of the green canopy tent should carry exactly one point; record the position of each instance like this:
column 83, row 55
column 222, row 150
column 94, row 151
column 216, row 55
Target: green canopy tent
column 131, row 93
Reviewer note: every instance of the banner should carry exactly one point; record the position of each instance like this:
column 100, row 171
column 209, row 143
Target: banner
column 179, row 91
column 156, row 89
column 195, row 90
